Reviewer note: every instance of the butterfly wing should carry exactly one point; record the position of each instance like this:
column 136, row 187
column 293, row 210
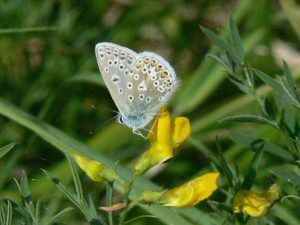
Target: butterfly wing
column 114, row 62
column 150, row 84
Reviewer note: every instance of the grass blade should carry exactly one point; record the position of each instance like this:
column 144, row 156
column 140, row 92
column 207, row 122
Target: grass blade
column 4, row 150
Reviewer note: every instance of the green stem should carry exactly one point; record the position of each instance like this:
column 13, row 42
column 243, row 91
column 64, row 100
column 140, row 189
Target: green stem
column 26, row 30
column 126, row 199
column 110, row 189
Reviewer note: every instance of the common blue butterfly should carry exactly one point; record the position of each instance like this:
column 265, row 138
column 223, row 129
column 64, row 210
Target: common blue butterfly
column 139, row 83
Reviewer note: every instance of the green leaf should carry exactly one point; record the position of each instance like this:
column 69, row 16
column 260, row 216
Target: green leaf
column 255, row 144
column 253, row 168
column 236, row 40
column 109, row 200
column 56, row 216
column 248, row 118
column 224, row 165
column 95, row 221
column 70, row 195
column 26, row 30
column 139, row 217
column 6, row 215
column 290, row 94
column 291, row 81
column 268, row 109
column 222, row 45
column 206, row 78
column 289, row 176
column 220, row 61
column 24, row 189
column 76, row 179
column 240, row 85
column 276, row 86
column 4, row 150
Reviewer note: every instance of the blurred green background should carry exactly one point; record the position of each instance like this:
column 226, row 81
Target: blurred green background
column 48, row 69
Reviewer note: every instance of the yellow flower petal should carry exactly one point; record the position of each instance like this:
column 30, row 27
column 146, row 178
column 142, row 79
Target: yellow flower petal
column 91, row 167
column 164, row 129
column 179, row 197
column 182, row 129
column 155, row 155
column 205, row 185
column 165, row 135
column 192, row 192
column 255, row 204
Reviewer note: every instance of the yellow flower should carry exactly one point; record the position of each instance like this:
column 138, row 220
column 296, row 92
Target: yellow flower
column 165, row 135
column 95, row 170
column 255, row 204
column 187, row 194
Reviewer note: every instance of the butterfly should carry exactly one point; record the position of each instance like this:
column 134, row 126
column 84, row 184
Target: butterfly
column 139, row 83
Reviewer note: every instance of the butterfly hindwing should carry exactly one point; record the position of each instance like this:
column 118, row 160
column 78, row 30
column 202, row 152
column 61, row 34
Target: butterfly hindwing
column 152, row 81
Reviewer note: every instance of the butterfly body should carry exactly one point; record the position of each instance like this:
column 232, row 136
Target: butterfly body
column 139, row 83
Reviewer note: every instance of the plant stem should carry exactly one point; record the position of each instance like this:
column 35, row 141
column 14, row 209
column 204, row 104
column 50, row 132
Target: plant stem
column 126, row 199
column 110, row 189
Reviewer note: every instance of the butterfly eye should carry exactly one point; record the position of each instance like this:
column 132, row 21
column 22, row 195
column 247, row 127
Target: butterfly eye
column 120, row 120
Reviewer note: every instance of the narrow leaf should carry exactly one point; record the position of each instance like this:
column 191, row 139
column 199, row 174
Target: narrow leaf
column 255, row 145
column 224, row 165
column 270, row 81
column 240, row 85
column 9, row 214
column 71, row 196
column 248, row 118
column 253, row 168
column 24, row 189
column 220, row 61
column 109, row 200
column 4, row 150
column 56, row 216
column 236, row 40
column 222, row 45
column 291, row 81
column 76, row 179
column 289, row 176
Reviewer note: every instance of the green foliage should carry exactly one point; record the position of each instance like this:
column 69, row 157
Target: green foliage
column 86, row 207
column 284, row 119
column 52, row 97
column 4, row 150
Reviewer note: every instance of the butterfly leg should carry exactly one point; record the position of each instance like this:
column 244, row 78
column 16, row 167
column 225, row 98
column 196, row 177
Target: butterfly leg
column 138, row 132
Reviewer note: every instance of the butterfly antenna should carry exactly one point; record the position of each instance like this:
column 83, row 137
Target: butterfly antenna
column 103, row 125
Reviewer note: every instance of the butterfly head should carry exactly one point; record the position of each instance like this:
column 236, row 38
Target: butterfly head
column 134, row 121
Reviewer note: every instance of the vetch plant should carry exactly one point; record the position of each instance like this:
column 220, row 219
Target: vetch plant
column 165, row 135
column 278, row 111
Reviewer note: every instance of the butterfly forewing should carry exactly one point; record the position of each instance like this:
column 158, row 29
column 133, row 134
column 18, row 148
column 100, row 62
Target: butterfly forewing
column 114, row 62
